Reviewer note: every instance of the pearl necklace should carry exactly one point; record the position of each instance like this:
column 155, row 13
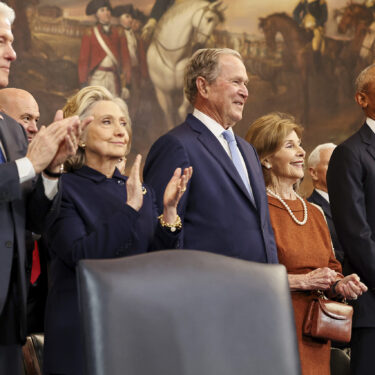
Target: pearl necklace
column 277, row 196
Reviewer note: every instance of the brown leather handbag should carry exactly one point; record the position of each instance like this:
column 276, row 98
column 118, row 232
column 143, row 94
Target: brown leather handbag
column 328, row 320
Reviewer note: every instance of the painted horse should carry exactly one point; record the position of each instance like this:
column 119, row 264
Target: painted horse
column 297, row 52
column 186, row 26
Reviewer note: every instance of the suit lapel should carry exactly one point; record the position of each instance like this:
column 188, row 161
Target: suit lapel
column 12, row 137
column 213, row 146
column 257, row 182
column 322, row 203
column 368, row 137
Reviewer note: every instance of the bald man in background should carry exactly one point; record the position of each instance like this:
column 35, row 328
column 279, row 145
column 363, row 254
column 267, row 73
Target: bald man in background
column 22, row 107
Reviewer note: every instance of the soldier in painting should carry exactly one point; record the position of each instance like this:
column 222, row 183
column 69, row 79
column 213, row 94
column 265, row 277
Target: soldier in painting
column 312, row 15
column 104, row 58
column 139, row 20
column 159, row 8
column 137, row 54
column 367, row 49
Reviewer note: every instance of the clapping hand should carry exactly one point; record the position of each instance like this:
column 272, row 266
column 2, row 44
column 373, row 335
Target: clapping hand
column 55, row 143
column 174, row 191
column 134, row 185
column 68, row 147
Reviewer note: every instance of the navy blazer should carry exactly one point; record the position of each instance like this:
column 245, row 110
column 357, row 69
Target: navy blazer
column 21, row 205
column 94, row 222
column 316, row 198
column 218, row 215
column 351, row 187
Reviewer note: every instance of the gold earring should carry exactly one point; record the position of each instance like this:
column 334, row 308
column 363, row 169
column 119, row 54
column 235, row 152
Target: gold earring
column 82, row 145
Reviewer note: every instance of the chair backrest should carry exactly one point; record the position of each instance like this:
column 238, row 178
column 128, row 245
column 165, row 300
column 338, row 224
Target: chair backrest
column 182, row 312
column 340, row 362
column 32, row 353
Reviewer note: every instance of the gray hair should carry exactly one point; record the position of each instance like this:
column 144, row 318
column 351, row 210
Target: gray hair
column 204, row 63
column 314, row 157
column 364, row 78
column 7, row 12
column 80, row 104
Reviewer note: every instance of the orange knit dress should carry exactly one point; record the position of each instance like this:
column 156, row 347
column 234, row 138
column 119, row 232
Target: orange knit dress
column 301, row 249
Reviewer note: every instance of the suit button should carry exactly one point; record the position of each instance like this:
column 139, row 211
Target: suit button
column 9, row 244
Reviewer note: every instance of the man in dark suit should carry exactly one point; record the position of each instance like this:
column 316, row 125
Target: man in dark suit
column 317, row 164
column 224, row 209
column 22, row 202
column 22, row 107
column 351, row 187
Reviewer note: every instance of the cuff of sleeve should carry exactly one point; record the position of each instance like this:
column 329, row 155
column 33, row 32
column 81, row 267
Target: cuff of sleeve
column 51, row 187
column 25, row 169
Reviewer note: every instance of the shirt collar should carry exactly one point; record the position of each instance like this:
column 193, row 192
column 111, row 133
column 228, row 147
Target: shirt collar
column 210, row 123
column 323, row 194
column 96, row 176
column 371, row 123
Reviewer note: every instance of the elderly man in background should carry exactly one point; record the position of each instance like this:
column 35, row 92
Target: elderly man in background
column 317, row 165
column 22, row 107
column 22, row 202
column 224, row 209
column 351, row 182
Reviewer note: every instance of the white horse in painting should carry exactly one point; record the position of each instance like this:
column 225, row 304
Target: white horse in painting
column 186, row 25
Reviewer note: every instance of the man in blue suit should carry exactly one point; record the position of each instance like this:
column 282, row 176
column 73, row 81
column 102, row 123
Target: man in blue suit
column 224, row 209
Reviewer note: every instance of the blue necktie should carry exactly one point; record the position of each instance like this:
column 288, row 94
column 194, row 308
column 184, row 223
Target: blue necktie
column 236, row 158
column 2, row 158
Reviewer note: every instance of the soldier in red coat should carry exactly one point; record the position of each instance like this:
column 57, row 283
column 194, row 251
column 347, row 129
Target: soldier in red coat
column 104, row 58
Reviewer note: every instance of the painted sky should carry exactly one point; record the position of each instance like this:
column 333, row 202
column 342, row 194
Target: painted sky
column 241, row 15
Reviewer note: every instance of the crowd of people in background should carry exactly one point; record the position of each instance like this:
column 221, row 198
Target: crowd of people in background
column 64, row 195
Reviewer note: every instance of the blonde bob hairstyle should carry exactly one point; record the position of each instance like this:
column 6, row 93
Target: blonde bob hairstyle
column 80, row 105
column 267, row 134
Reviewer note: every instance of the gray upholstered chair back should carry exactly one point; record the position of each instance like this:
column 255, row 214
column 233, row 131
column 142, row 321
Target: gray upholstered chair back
column 182, row 312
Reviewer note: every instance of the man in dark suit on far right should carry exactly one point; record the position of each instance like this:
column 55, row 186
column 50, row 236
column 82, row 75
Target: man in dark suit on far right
column 351, row 187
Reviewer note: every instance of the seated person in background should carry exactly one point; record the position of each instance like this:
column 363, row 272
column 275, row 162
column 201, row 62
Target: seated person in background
column 301, row 232
column 103, row 215
column 317, row 165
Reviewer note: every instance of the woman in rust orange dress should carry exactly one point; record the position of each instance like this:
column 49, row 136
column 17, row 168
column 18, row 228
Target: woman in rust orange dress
column 301, row 232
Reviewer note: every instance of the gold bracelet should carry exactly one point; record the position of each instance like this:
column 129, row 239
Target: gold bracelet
column 177, row 225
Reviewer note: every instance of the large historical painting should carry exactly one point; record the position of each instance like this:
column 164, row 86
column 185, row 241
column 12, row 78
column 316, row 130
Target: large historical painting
column 307, row 72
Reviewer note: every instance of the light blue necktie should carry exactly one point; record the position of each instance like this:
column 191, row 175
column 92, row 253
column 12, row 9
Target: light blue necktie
column 2, row 158
column 236, row 158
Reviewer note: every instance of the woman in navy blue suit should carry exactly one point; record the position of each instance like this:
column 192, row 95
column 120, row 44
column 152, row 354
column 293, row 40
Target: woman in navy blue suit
column 103, row 215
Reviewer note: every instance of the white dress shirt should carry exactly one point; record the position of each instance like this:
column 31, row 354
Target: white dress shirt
column 324, row 194
column 371, row 123
column 217, row 130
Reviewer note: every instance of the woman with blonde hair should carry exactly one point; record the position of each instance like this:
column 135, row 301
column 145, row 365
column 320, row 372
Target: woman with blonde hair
column 103, row 214
column 301, row 232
